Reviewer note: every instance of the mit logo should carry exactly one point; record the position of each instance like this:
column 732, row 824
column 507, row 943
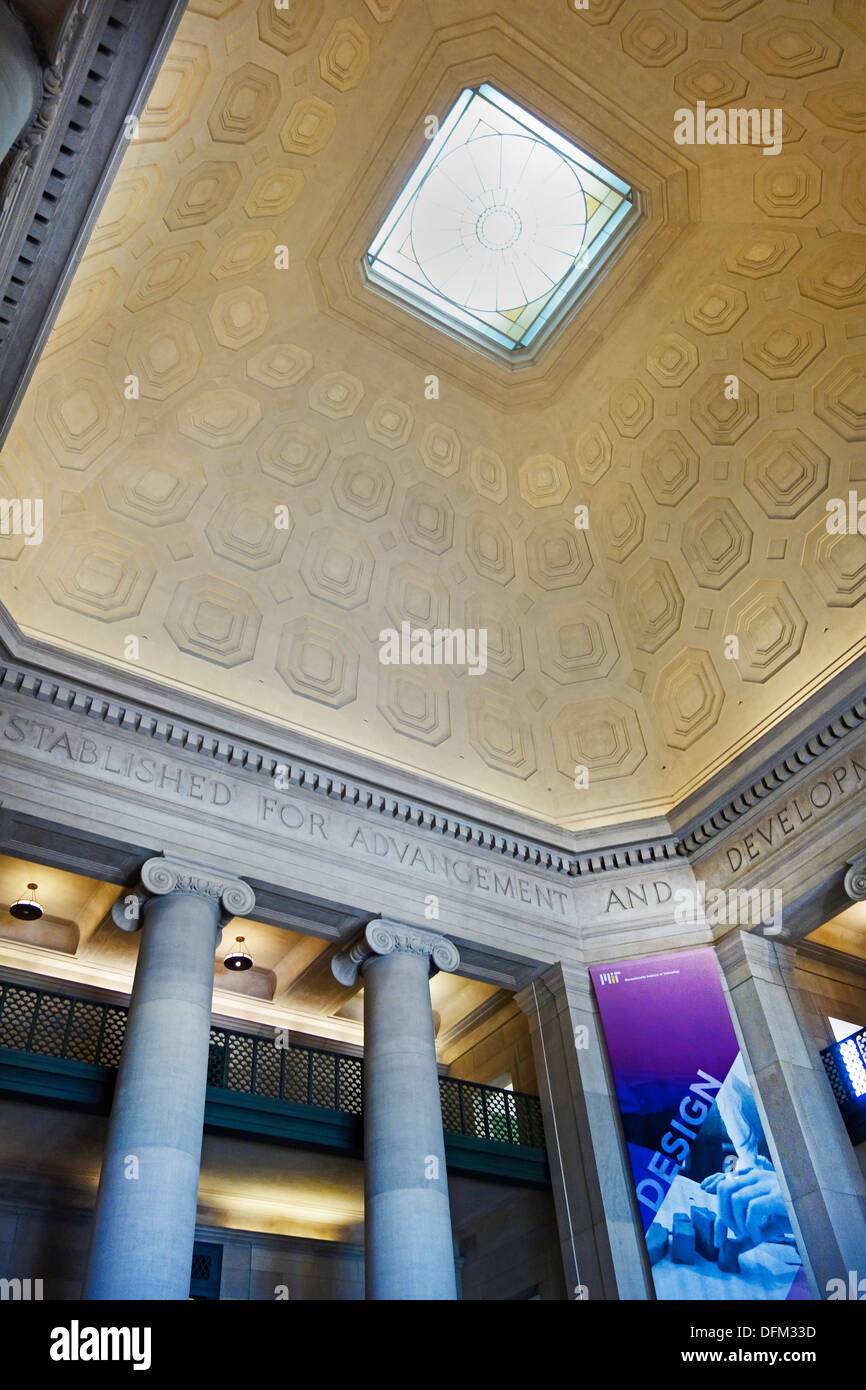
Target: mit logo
column 610, row 977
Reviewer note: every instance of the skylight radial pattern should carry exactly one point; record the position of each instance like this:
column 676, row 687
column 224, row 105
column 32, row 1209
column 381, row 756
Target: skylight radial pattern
column 499, row 224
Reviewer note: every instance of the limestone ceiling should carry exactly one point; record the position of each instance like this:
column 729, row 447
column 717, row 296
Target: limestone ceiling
column 261, row 388
column 846, row 932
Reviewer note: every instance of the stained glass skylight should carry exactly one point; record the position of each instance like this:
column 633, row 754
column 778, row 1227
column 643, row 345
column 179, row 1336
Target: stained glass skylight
column 501, row 225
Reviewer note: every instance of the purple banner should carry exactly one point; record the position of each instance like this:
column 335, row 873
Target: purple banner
column 714, row 1217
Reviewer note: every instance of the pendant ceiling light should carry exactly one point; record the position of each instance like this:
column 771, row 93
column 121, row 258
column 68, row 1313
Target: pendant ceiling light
column 238, row 959
column 27, row 909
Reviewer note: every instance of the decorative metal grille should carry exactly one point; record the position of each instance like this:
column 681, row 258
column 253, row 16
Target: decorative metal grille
column 204, row 1282
column 59, row 1025
column 845, row 1064
column 268, row 1068
column 240, row 1053
column 350, row 1079
column 296, row 1076
column 216, row 1058
column 18, row 1008
column 111, row 1040
column 504, row 1117
column 83, row 1030
column 304, row 1075
column 834, row 1072
column 82, row 1039
column 323, row 1080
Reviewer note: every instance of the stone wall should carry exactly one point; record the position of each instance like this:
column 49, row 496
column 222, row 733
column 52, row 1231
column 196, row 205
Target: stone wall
column 507, row 1049
column 511, row 1251
column 308, row 1208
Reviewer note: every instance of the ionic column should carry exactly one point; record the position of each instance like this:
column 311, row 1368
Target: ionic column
column 407, row 1218
column 855, row 879
column 144, row 1223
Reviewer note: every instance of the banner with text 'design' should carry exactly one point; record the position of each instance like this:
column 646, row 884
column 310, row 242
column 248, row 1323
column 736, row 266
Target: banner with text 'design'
column 714, row 1217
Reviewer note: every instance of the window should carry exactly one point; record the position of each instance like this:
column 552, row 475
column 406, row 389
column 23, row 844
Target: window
column 501, row 226
column 842, row 1030
column 204, row 1284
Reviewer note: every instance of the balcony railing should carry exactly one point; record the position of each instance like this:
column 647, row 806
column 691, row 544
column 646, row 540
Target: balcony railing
column 65, row 1026
column 845, row 1064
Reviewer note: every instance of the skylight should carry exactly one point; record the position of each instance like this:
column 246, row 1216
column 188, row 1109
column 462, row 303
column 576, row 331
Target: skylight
column 501, row 226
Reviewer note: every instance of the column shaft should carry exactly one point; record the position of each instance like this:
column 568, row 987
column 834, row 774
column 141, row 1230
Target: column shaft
column 145, row 1215
column 409, row 1245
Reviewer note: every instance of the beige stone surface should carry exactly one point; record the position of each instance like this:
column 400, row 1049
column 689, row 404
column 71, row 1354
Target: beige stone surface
column 261, row 388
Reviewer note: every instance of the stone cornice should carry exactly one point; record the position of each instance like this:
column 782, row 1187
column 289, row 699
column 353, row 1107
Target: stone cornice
column 197, row 727
column 147, row 719
column 384, row 936
column 478, row 1018
column 101, row 65
column 838, row 965
column 785, row 765
column 638, row 853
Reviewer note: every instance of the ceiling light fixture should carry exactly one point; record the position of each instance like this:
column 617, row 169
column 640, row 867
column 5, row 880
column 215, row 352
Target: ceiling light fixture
column 239, row 959
column 27, row 909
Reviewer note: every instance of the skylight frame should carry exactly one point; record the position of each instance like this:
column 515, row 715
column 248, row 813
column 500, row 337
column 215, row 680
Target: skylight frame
column 550, row 311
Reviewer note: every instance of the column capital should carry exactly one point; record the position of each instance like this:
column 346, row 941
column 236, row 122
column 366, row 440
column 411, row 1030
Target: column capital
column 383, row 936
column 170, row 874
column 855, row 879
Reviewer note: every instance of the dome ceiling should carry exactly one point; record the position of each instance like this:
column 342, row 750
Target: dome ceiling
column 219, row 362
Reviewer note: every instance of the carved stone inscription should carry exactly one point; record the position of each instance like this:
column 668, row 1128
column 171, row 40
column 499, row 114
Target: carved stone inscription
column 175, row 781
column 799, row 813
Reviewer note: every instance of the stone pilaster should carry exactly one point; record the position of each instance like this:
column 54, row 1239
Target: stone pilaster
column 817, row 1166
column 599, row 1232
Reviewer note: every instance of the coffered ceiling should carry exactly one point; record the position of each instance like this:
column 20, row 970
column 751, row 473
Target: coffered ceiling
column 262, row 387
